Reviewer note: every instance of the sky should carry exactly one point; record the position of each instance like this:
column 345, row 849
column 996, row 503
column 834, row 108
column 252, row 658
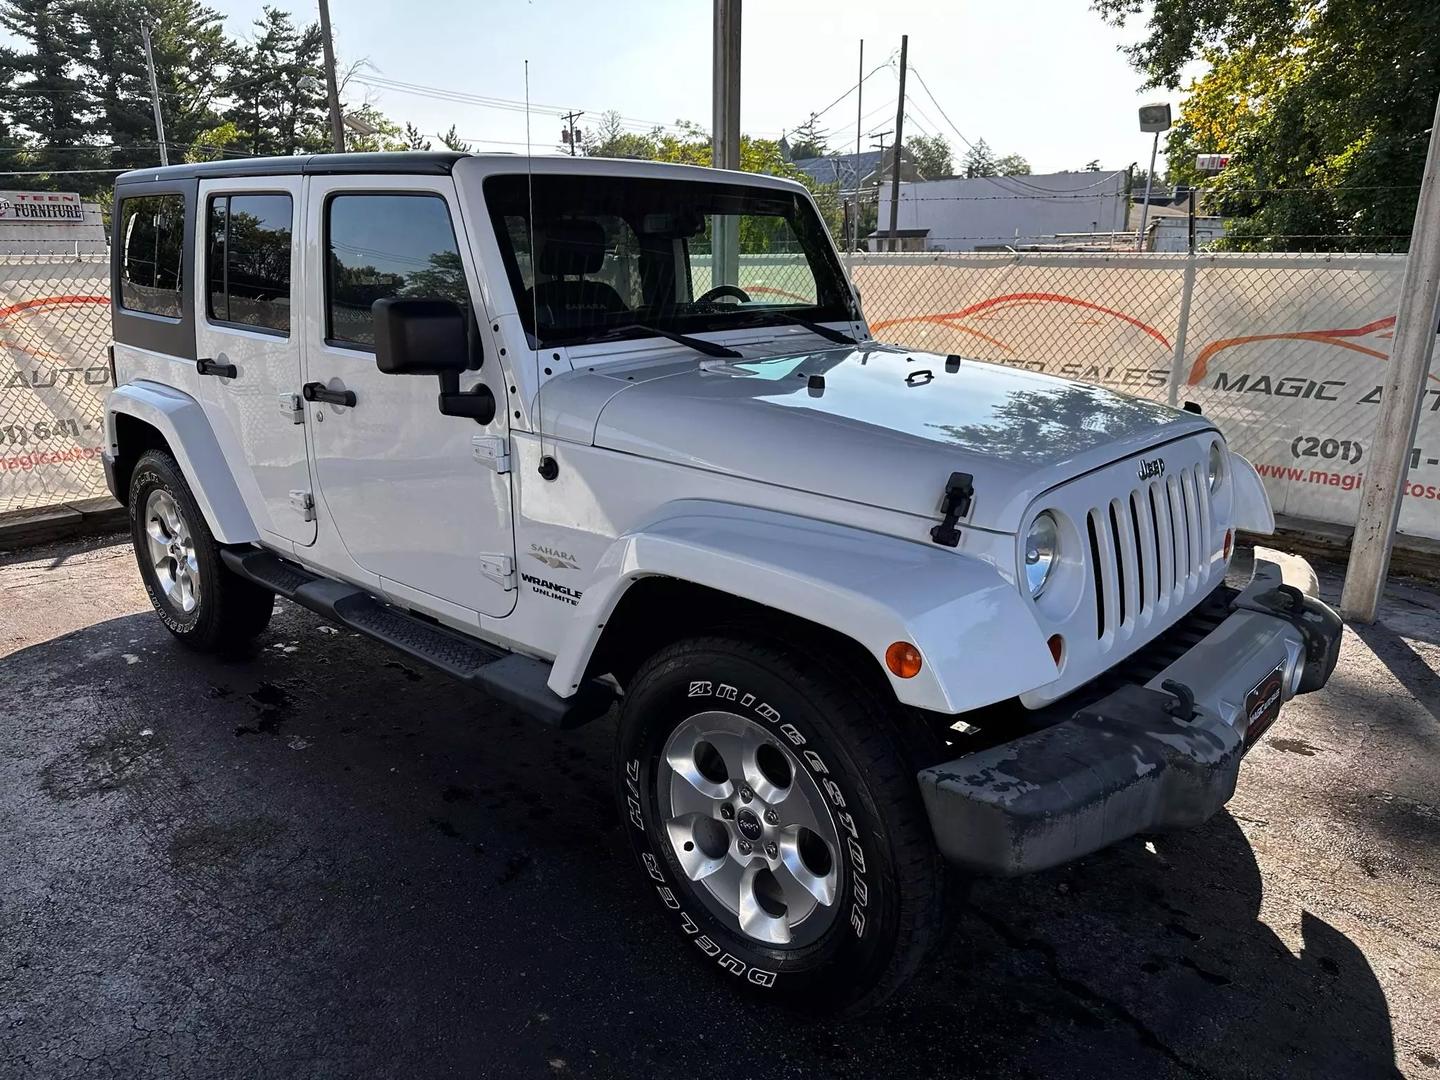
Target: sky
column 1042, row 78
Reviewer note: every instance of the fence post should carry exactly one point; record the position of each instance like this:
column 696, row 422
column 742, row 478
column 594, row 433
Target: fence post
column 1177, row 362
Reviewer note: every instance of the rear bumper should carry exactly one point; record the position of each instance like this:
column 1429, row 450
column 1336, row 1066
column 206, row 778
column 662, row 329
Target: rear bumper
column 1140, row 759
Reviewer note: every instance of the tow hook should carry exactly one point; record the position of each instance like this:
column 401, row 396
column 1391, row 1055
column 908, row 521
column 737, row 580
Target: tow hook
column 1183, row 707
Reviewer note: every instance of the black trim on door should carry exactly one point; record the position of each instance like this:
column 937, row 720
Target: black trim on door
column 157, row 333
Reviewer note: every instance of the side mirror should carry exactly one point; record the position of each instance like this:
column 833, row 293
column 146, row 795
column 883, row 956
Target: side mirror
column 420, row 337
column 430, row 337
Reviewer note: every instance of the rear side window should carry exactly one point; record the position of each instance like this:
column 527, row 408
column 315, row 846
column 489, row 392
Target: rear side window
column 381, row 246
column 152, row 235
column 247, row 261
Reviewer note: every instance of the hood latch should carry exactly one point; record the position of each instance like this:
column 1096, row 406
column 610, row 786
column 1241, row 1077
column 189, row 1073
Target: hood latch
column 959, row 490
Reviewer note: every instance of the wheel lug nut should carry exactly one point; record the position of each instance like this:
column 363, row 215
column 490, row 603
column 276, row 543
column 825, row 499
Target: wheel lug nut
column 772, row 850
column 744, row 846
column 727, row 811
column 772, row 818
column 746, row 794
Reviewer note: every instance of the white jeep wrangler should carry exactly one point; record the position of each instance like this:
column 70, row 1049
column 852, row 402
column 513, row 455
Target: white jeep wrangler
column 580, row 432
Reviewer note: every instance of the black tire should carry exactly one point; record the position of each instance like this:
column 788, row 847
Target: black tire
column 891, row 895
column 229, row 611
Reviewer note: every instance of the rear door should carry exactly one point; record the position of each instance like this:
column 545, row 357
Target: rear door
column 249, row 287
column 409, row 490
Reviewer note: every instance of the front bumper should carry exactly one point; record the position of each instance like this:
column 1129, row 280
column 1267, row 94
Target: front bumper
column 1142, row 758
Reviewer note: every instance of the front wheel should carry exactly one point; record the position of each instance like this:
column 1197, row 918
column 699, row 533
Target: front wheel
column 773, row 805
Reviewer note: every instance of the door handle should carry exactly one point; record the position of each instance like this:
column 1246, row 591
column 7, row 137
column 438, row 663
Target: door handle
column 314, row 391
column 212, row 367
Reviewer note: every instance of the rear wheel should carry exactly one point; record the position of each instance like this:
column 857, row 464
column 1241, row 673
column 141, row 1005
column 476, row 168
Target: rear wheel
column 197, row 597
column 773, row 805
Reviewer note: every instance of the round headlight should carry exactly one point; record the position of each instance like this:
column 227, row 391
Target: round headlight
column 1040, row 546
column 1216, row 468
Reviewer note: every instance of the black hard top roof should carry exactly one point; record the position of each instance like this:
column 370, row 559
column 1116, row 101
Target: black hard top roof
column 419, row 162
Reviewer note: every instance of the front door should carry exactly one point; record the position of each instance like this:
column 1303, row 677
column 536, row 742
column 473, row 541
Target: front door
column 409, row 496
column 250, row 285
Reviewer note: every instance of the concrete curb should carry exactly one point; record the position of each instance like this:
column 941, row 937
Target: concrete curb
column 83, row 517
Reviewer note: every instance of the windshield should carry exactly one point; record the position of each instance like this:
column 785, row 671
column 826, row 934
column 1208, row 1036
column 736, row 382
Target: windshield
column 613, row 256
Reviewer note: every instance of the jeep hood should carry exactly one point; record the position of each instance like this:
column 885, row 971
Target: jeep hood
column 886, row 429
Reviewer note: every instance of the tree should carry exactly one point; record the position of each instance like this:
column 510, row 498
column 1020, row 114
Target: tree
column 45, row 101
column 277, row 88
column 610, row 138
column 451, row 141
column 1324, row 109
column 980, row 160
column 1012, row 165
column 414, row 139
column 931, row 155
column 806, row 141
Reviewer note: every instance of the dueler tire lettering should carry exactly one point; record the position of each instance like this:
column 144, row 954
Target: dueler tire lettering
column 848, row 739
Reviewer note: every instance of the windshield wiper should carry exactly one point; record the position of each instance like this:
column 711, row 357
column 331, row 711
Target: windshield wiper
column 838, row 336
column 700, row 345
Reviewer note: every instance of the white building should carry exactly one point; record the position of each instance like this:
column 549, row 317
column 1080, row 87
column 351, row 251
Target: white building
column 996, row 212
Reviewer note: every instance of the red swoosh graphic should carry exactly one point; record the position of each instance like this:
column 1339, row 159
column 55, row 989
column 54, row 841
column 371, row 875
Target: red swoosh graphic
column 1336, row 337
column 944, row 318
column 49, row 301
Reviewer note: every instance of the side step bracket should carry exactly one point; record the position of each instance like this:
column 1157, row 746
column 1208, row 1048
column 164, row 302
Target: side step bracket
column 517, row 680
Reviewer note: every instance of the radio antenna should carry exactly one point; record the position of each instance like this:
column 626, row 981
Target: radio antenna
column 549, row 467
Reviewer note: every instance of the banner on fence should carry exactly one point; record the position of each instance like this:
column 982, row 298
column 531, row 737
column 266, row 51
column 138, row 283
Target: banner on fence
column 1283, row 351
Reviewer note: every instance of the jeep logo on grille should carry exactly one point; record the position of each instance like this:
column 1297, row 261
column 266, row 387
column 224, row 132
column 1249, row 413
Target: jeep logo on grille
column 1152, row 468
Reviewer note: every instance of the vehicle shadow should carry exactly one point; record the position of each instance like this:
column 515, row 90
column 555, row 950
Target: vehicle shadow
column 317, row 859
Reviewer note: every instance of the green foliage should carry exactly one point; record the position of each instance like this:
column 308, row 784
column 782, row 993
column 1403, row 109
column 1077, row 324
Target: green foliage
column 931, row 155
column 1324, row 108
column 1012, row 165
column 277, row 88
column 451, row 141
column 807, row 142
column 980, row 161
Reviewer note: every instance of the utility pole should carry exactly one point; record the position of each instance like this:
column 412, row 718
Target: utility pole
column 725, row 134
column 155, row 95
column 332, row 88
column 1400, row 401
column 899, row 142
column 570, row 118
column 859, row 111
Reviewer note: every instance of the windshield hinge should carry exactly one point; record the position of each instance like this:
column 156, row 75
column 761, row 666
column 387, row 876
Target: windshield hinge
column 304, row 502
column 499, row 569
column 959, row 491
column 491, row 450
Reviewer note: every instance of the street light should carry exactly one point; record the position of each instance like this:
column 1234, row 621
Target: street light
column 1154, row 118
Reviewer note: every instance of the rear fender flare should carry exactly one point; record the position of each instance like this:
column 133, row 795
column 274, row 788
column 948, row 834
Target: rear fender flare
column 181, row 420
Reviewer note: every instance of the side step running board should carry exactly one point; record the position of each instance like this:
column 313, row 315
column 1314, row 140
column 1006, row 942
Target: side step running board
column 514, row 679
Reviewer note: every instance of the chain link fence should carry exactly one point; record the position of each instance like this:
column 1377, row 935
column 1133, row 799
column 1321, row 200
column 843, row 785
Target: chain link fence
column 1283, row 351
column 54, row 373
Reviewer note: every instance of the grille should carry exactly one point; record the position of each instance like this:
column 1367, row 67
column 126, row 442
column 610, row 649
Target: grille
column 1148, row 551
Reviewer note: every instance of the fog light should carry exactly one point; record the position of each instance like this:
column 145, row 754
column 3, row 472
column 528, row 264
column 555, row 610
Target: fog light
column 903, row 660
column 1057, row 648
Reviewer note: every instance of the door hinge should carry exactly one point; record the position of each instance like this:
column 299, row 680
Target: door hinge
column 499, row 569
column 491, row 450
column 304, row 502
column 293, row 407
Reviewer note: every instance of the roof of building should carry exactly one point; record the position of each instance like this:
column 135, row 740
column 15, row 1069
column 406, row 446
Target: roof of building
column 845, row 169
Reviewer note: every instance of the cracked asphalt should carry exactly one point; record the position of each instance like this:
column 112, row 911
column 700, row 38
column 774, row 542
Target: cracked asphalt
column 321, row 861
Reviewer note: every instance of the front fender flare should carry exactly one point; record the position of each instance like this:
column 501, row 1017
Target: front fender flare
column 1252, row 505
column 979, row 643
column 181, row 420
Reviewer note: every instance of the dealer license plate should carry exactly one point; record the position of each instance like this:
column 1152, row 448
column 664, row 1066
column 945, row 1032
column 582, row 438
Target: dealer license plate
column 1262, row 704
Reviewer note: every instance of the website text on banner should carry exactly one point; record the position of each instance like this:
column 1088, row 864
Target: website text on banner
column 1282, row 350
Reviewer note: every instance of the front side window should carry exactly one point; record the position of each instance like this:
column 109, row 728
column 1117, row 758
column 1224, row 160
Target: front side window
column 247, row 259
column 152, row 238
column 606, row 257
column 381, row 246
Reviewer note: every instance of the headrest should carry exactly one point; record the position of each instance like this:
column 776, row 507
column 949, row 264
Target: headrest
column 572, row 247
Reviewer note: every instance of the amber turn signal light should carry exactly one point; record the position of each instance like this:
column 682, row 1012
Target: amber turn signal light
column 903, row 660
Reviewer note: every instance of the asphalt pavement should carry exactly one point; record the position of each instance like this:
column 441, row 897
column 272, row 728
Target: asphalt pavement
column 320, row 860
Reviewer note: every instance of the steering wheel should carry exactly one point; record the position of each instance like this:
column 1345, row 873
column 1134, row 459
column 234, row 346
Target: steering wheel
column 723, row 290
